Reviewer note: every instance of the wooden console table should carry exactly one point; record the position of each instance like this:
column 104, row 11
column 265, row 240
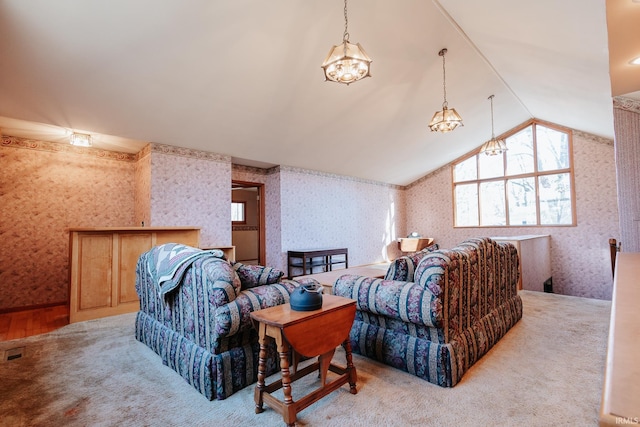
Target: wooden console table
column 308, row 333
column 307, row 260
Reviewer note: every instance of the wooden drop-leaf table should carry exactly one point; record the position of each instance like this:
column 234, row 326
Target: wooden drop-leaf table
column 308, row 333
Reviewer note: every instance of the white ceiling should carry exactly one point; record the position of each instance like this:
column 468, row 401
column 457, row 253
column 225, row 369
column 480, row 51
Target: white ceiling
column 243, row 77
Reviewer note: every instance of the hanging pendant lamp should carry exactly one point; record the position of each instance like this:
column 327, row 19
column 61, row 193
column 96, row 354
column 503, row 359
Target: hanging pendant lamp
column 493, row 146
column 346, row 62
column 447, row 119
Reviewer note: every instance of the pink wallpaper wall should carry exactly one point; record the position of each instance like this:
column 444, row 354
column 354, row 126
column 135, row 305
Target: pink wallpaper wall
column 308, row 209
column 626, row 119
column 321, row 210
column 191, row 188
column 46, row 188
column 580, row 255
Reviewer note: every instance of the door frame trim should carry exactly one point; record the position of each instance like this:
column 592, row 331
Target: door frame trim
column 261, row 216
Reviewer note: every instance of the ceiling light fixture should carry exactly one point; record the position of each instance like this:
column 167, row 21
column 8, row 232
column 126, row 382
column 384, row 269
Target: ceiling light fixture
column 347, row 62
column 447, row 119
column 493, row 146
column 80, row 139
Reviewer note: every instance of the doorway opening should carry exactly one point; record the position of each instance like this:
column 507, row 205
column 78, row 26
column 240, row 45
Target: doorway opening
column 247, row 222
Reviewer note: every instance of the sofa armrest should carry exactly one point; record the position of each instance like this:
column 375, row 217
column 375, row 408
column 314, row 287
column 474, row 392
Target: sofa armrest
column 220, row 280
column 235, row 316
column 406, row 301
column 403, row 268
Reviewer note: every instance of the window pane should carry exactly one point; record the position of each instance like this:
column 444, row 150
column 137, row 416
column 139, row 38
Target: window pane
column 553, row 149
column 520, row 152
column 466, row 205
column 466, row 170
column 237, row 211
column 522, row 201
column 555, row 199
column 491, row 166
column 492, row 209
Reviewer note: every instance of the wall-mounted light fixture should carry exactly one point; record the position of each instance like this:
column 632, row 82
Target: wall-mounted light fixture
column 347, row 62
column 635, row 61
column 445, row 120
column 80, row 139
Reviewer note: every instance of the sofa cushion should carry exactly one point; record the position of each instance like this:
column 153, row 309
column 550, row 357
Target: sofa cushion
column 405, row 301
column 403, row 268
column 256, row 275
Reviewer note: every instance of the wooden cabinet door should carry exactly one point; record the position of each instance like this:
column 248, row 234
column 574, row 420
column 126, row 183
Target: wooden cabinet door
column 91, row 275
column 131, row 246
column 103, row 268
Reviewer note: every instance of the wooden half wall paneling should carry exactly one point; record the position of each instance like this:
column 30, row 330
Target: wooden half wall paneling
column 103, row 266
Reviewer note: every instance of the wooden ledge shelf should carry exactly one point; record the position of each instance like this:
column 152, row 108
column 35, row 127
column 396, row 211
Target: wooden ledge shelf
column 621, row 392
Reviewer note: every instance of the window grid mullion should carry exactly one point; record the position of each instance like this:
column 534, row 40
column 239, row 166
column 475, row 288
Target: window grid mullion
column 536, row 178
column 506, row 203
column 536, row 175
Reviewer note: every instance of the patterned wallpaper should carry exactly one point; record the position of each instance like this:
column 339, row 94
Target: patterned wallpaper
column 46, row 188
column 329, row 211
column 310, row 210
column 626, row 119
column 581, row 264
column 192, row 188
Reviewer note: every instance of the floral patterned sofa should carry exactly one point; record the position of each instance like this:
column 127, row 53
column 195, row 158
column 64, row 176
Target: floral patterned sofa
column 195, row 314
column 438, row 322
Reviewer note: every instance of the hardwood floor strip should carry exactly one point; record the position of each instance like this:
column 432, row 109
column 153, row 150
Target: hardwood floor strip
column 21, row 324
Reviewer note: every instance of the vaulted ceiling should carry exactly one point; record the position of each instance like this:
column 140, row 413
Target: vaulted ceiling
column 243, row 77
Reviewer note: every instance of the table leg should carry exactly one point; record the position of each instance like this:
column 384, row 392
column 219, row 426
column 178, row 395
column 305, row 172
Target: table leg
column 290, row 410
column 283, row 351
column 324, row 360
column 262, row 362
column 351, row 369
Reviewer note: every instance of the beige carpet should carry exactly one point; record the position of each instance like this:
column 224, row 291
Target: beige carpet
column 548, row 370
